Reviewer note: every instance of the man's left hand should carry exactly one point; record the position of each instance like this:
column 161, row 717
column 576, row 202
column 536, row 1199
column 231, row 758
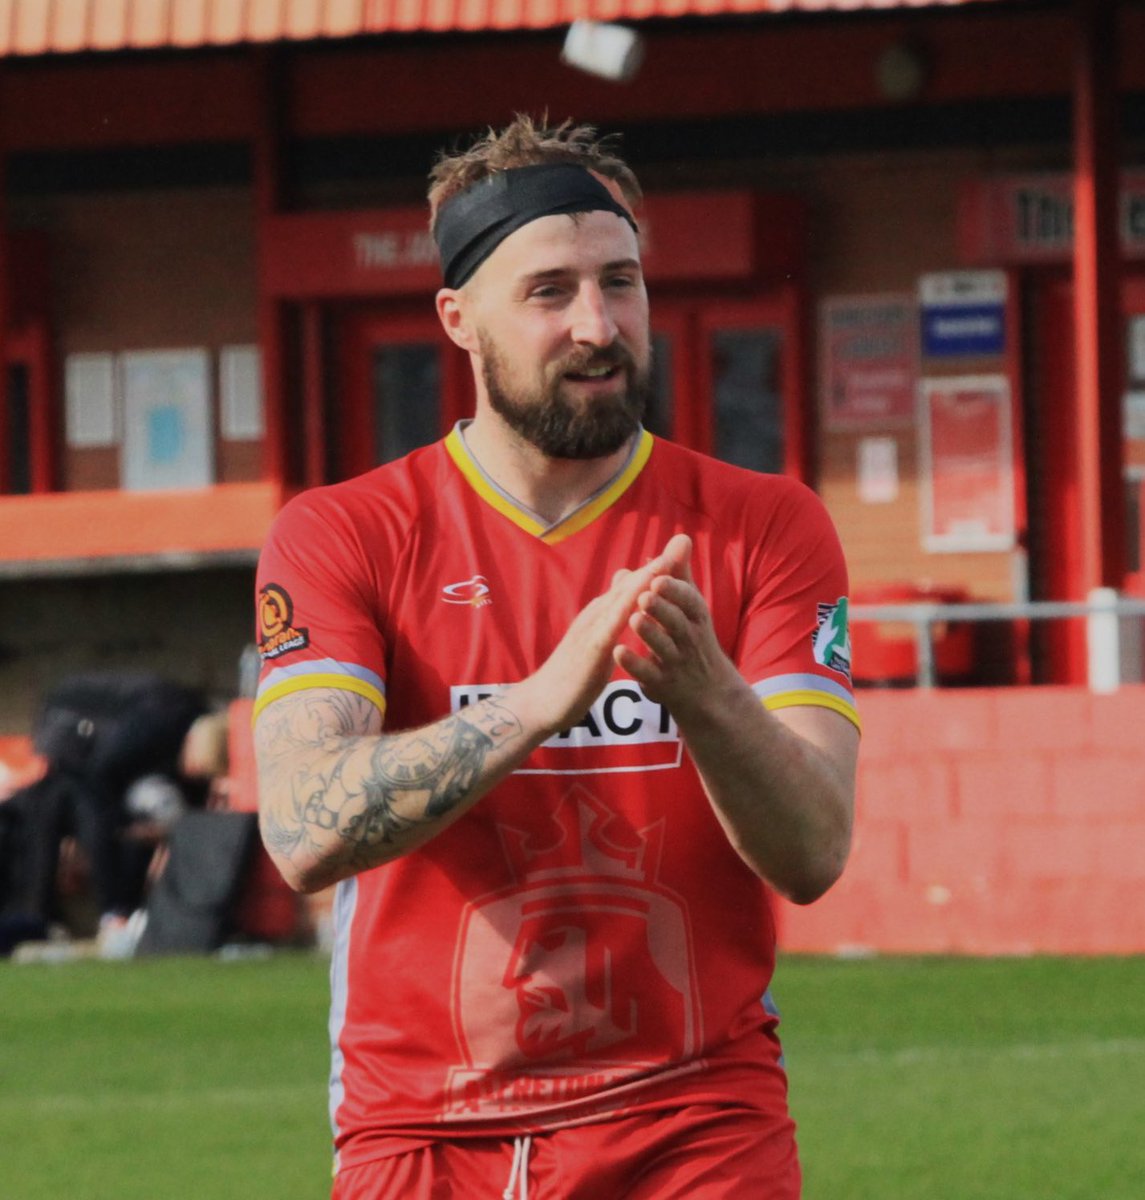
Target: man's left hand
column 684, row 664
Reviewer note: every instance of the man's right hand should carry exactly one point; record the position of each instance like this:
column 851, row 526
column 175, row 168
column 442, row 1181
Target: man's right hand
column 338, row 796
column 561, row 691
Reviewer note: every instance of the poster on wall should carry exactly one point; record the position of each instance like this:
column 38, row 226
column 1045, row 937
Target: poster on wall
column 89, row 399
column 868, row 361
column 168, row 435
column 967, row 463
column 877, row 470
column 240, row 394
column 963, row 314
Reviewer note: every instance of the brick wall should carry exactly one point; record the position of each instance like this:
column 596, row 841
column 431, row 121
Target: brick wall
column 992, row 821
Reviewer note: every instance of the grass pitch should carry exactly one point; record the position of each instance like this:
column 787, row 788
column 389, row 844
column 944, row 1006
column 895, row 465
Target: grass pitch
column 962, row 1079
column 911, row 1079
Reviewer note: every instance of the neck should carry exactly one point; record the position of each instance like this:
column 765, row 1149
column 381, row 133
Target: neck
column 550, row 487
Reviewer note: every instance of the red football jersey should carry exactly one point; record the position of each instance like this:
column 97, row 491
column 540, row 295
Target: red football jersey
column 584, row 940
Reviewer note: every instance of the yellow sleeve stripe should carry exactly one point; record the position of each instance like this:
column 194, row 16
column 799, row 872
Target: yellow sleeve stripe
column 813, row 699
column 347, row 683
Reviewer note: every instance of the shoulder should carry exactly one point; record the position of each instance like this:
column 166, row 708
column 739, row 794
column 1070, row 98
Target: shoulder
column 729, row 493
column 390, row 497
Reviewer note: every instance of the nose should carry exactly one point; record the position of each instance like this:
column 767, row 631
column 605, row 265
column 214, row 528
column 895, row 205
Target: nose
column 592, row 320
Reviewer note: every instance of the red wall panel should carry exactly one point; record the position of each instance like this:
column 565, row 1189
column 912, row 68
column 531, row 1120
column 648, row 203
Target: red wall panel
column 1004, row 821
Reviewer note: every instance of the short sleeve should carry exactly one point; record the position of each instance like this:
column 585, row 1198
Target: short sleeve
column 794, row 645
column 316, row 608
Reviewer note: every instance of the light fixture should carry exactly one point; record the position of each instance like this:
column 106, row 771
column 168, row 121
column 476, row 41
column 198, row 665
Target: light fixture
column 901, row 71
column 610, row 51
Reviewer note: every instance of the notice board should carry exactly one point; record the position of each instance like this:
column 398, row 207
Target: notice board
column 967, row 464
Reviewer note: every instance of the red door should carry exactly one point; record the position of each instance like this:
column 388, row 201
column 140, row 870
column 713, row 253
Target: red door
column 726, row 379
column 729, row 379
column 404, row 385
column 1055, row 533
column 1134, row 312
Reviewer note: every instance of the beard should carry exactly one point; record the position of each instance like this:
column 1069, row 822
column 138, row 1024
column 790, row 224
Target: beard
column 560, row 426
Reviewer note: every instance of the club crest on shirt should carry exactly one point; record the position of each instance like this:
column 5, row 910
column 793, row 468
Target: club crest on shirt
column 277, row 633
column 832, row 642
column 536, row 986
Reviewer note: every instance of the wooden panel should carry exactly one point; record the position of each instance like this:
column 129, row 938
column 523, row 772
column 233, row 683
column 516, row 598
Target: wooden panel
column 91, row 470
column 239, row 462
column 153, row 270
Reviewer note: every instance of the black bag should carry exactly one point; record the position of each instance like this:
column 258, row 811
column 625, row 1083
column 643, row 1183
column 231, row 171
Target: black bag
column 33, row 820
column 9, row 854
column 115, row 725
column 191, row 907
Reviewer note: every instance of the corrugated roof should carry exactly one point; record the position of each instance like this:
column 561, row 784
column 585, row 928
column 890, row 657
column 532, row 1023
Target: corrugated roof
column 35, row 27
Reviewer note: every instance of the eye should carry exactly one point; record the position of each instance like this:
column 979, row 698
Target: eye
column 546, row 291
column 620, row 282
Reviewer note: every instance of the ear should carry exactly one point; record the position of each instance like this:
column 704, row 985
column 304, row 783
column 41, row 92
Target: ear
column 453, row 313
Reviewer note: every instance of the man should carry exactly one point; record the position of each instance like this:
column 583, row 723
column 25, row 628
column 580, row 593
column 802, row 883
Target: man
column 551, row 700
column 123, row 753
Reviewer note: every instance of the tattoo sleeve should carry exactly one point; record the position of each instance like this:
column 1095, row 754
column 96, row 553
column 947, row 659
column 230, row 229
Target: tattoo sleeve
column 339, row 796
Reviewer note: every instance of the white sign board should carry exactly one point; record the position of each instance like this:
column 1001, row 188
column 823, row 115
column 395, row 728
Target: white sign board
column 240, row 394
column 168, row 439
column 89, row 400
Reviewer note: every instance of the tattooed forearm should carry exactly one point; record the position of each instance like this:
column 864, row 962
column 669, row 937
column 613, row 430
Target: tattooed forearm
column 285, row 832
column 417, row 780
column 333, row 796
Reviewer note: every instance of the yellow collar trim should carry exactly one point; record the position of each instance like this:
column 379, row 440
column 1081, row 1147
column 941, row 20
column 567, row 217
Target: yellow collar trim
column 576, row 520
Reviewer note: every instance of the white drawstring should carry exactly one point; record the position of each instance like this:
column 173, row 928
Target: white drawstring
column 519, row 1173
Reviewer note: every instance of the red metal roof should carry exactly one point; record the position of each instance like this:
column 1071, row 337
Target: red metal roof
column 33, row 27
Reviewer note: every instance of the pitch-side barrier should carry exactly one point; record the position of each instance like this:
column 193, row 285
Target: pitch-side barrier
column 1103, row 612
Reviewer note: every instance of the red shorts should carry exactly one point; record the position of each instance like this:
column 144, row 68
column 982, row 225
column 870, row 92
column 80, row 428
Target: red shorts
column 702, row 1152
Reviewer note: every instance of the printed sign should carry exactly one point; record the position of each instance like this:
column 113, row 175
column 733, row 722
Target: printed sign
column 869, row 360
column 1030, row 218
column 390, row 251
column 963, row 313
column 240, row 394
column 967, row 464
column 877, row 470
column 168, row 435
column 89, row 391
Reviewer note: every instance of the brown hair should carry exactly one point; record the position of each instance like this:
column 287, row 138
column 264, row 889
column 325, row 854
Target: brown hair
column 205, row 751
column 524, row 143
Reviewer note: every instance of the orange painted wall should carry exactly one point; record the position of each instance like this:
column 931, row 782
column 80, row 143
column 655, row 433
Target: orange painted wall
column 1001, row 821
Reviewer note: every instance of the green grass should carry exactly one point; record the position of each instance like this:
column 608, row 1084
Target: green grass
column 911, row 1079
column 164, row 1080
column 943, row 1079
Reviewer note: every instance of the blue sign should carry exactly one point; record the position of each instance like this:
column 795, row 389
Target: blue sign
column 962, row 330
column 165, row 434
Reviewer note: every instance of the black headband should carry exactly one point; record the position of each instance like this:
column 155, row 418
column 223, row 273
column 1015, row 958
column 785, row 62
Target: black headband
column 472, row 224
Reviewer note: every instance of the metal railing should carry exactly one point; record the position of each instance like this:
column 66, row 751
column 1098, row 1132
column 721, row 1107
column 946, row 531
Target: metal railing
column 1103, row 613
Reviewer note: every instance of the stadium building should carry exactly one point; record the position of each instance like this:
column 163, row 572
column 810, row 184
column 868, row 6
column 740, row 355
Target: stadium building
column 895, row 249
